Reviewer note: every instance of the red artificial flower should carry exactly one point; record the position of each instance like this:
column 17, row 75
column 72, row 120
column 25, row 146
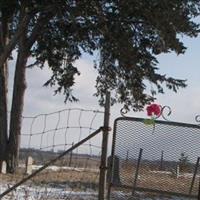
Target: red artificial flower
column 153, row 109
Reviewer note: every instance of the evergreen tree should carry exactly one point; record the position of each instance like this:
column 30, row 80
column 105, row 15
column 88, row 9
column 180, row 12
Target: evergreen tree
column 128, row 34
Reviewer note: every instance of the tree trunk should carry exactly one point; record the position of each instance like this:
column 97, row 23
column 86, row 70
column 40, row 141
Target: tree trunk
column 17, row 108
column 3, row 113
column 4, row 39
column 24, row 45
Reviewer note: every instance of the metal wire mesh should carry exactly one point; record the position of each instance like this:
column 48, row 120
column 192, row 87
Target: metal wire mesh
column 162, row 161
column 44, row 137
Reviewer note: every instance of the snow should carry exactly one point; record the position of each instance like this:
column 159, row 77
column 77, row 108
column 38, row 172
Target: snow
column 119, row 195
column 185, row 175
column 57, row 168
column 25, row 192
column 39, row 193
column 61, row 192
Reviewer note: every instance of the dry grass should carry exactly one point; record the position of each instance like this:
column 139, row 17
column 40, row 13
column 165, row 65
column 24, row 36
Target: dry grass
column 83, row 173
column 88, row 177
column 69, row 176
column 165, row 181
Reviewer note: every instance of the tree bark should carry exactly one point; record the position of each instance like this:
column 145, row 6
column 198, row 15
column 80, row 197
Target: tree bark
column 14, row 40
column 17, row 107
column 3, row 90
column 3, row 113
column 19, row 88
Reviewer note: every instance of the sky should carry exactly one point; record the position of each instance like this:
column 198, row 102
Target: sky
column 185, row 104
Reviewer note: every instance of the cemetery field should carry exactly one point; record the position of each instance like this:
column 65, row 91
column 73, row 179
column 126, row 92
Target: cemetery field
column 55, row 182
column 81, row 174
column 85, row 182
column 56, row 175
column 79, row 177
column 159, row 180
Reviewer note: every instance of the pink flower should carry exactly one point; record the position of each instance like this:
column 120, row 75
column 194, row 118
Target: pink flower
column 153, row 109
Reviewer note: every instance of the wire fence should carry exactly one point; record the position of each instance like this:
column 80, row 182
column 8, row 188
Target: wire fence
column 46, row 137
column 163, row 162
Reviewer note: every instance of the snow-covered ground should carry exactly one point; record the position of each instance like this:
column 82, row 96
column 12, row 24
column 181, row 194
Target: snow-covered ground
column 38, row 193
column 61, row 192
column 142, row 196
column 57, row 168
column 185, row 175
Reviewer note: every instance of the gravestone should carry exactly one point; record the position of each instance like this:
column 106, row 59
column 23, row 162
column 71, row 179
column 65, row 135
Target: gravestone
column 29, row 163
column 177, row 171
column 114, row 176
column 3, row 167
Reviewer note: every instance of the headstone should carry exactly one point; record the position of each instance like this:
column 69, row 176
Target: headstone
column 3, row 167
column 29, row 163
column 177, row 171
column 114, row 176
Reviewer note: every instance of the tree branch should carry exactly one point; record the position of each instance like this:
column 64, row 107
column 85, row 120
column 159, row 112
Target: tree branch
column 43, row 19
column 11, row 45
column 33, row 64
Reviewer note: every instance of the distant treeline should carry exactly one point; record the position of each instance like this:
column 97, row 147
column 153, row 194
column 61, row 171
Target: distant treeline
column 41, row 156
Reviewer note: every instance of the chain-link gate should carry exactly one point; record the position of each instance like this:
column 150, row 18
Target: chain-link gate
column 148, row 160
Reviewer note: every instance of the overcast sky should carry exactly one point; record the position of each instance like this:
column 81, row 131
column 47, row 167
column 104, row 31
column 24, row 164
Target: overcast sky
column 185, row 104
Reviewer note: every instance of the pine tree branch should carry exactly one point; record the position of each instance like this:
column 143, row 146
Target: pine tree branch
column 42, row 20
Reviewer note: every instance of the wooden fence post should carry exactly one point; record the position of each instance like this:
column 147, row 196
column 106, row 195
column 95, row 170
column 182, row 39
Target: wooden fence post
column 103, row 165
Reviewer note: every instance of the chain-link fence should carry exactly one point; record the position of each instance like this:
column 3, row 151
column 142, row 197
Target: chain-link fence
column 149, row 160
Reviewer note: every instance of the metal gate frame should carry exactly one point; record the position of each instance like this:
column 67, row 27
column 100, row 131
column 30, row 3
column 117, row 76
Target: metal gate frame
column 141, row 189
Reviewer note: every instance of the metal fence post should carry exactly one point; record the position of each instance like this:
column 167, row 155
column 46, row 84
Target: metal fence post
column 137, row 171
column 199, row 191
column 70, row 156
column 194, row 175
column 103, row 165
column 161, row 160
